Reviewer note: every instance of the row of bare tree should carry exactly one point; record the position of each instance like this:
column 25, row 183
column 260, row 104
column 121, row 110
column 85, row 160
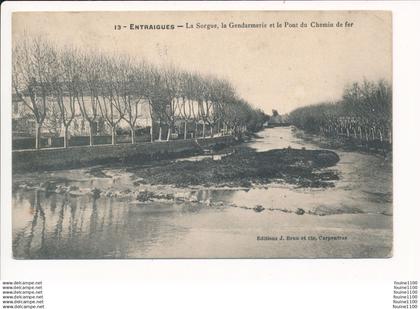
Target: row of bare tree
column 56, row 85
column 363, row 113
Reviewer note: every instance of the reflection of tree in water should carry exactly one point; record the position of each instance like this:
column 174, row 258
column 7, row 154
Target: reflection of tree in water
column 53, row 203
column 70, row 227
column 59, row 226
column 62, row 226
column 26, row 238
column 93, row 222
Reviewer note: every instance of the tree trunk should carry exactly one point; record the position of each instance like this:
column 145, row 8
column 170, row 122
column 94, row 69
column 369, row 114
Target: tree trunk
column 113, row 137
column 211, row 131
column 195, row 130
column 168, row 136
column 185, row 130
column 37, row 136
column 66, row 136
column 204, row 130
column 133, row 135
column 160, row 133
column 367, row 138
column 90, row 134
column 151, row 133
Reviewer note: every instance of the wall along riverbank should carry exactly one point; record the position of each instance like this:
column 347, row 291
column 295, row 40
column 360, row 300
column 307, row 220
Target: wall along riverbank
column 73, row 157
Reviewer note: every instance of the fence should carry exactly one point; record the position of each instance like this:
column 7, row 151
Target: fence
column 53, row 142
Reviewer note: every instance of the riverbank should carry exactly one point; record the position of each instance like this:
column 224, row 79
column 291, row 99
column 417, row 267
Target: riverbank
column 346, row 143
column 82, row 156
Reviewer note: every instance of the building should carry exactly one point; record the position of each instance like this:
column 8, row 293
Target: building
column 23, row 122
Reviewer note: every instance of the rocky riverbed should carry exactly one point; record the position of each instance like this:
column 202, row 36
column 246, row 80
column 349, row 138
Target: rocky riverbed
column 246, row 168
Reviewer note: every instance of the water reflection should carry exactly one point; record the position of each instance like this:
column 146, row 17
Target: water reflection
column 60, row 226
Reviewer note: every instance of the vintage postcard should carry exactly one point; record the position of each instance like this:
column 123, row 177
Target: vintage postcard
column 202, row 134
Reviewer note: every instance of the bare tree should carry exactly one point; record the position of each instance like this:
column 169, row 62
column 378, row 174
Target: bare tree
column 65, row 83
column 155, row 94
column 218, row 92
column 197, row 90
column 128, row 84
column 107, row 99
column 53, row 118
column 222, row 93
column 87, row 94
column 185, row 111
column 171, row 94
column 32, row 61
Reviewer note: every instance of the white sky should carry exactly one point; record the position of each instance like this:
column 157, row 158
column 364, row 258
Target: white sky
column 280, row 68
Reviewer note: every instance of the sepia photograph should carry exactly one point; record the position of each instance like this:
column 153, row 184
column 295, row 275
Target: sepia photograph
column 202, row 134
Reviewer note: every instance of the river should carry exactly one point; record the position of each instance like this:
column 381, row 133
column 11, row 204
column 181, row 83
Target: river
column 352, row 219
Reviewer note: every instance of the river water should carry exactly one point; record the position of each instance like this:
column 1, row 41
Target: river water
column 351, row 219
